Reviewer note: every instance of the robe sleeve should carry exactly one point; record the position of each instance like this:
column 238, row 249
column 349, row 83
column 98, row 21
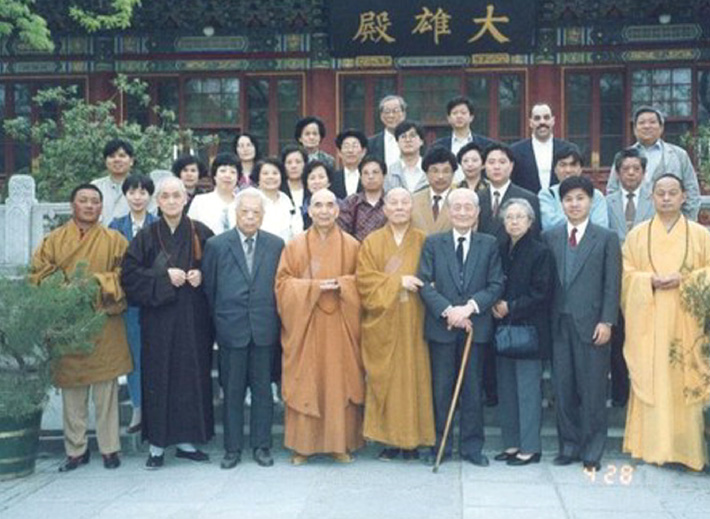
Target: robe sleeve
column 378, row 290
column 637, row 294
column 43, row 262
column 145, row 277
column 113, row 298
column 296, row 299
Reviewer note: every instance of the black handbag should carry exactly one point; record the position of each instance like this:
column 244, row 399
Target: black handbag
column 517, row 341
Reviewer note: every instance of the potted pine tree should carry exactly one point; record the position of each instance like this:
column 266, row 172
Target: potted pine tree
column 38, row 324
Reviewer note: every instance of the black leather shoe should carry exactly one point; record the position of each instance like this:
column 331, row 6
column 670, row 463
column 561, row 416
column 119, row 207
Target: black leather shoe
column 389, row 454
column 154, row 462
column 197, row 455
column 506, row 456
column 73, row 462
column 262, row 456
column 592, row 466
column 410, row 454
column 480, row 460
column 562, row 460
column 111, row 461
column 231, row 460
column 517, row 461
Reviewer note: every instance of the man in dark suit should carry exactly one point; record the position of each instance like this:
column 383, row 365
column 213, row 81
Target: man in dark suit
column 463, row 278
column 383, row 145
column 585, row 306
column 628, row 207
column 499, row 163
column 239, row 267
column 352, row 146
column 460, row 115
column 534, row 167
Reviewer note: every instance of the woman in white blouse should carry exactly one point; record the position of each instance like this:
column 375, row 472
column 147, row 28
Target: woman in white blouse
column 281, row 216
column 294, row 159
column 217, row 209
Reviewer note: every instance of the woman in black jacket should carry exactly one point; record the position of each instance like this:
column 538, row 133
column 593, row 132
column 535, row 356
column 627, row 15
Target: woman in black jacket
column 529, row 271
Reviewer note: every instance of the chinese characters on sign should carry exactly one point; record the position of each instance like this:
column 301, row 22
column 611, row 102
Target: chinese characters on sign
column 431, row 27
column 373, row 27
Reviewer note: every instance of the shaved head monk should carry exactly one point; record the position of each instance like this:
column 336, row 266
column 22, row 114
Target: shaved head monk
column 323, row 386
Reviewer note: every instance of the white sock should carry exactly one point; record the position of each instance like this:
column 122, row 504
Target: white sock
column 156, row 451
column 186, row 447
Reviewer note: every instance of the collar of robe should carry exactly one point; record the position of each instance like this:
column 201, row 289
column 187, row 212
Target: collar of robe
column 683, row 266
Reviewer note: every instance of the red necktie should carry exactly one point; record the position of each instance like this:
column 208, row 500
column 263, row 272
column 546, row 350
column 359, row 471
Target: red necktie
column 573, row 237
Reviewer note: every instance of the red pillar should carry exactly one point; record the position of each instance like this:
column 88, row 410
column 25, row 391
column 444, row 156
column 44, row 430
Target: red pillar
column 320, row 101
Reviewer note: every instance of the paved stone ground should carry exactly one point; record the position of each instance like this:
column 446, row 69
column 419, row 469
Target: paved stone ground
column 364, row 489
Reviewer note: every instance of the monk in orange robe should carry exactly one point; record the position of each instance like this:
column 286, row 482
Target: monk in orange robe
column 323, row 387
column 399, row 411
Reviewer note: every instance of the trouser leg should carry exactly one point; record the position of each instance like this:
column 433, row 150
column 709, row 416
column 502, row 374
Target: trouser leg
column 508, row 403
column 592, row 368
column 262, row 403
column 529, row 401
column 489, row 375
column 442, row 357
column 233, row 376
column 564, row 382
column 105, row 396
column 75, row 403
column 470, row 401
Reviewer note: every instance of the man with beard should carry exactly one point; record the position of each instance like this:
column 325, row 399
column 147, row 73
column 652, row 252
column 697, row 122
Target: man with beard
column 533, row 157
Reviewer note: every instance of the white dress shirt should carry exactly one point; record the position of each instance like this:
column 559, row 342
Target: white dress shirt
column 581, row 229
column 466, row 247
column 412, row 175
column 625, row 197
column 211, row 210
column 543, row 159
column 392, row 153
column 281, row 217
column 502, row 190
column 352, row 179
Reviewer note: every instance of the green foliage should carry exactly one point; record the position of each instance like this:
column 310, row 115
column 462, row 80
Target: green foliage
column 700, row 146
column 120, row 19
column 695, row 299
column 16, row 17
column 38, row 325
column 72, row 147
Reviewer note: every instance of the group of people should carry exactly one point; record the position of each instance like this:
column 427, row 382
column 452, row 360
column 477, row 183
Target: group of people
column 355, row 290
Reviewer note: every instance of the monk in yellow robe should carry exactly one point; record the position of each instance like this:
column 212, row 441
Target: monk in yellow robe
column 399, row 410
column 323, row 387
column 664, row 421
column 83, row 239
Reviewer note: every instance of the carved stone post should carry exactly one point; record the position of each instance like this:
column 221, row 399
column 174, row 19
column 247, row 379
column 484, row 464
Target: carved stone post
column 18, row 219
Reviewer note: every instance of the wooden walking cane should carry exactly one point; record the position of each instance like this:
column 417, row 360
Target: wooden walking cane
column 452, row 408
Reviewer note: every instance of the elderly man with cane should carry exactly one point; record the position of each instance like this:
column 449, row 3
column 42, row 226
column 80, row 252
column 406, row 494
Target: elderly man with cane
column 463, row 278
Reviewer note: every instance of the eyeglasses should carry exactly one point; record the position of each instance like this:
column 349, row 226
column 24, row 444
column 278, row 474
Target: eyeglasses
column 409, row 136
column 389, row 111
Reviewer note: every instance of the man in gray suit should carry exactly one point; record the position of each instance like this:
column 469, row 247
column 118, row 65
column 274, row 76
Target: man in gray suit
column 463, row 278
column 239, row 268
column 662, row 158
column 585, row 306
column 629, row 206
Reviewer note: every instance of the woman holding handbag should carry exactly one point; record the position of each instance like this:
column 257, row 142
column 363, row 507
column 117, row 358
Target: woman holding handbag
column 522, row 334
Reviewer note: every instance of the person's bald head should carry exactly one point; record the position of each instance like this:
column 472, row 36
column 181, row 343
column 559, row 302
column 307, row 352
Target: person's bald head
column 172, row 196
column 323, row 209
column 398, row 206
